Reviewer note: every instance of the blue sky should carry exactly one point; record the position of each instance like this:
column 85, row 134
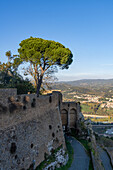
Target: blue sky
column 84, row 26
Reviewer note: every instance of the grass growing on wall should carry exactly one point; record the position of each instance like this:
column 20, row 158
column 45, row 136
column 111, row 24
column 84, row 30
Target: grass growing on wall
column 48, row 159
column 51, row 158
column 70, row 154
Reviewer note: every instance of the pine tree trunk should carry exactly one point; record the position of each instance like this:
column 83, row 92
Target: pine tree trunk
column 39, row 85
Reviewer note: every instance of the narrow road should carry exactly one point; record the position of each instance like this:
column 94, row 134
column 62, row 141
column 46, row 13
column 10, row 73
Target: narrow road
column 81, row 159
column 105, row 159
column 108, row 126
column 91, row 115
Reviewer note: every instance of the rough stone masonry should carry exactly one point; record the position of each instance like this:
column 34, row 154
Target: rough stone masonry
column 30, row 128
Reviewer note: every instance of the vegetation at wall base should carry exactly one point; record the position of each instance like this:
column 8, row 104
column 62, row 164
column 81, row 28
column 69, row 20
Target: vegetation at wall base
column 91, row 165
column 51, row 158
column 70, row 154
column 48, row 159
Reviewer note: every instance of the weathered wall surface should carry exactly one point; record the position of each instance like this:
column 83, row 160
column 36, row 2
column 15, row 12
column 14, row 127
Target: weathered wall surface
column 5, row 93
column 29, row 128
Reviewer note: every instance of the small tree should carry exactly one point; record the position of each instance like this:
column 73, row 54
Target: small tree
column 8, row 54
column 9, row 78
column 42, row 55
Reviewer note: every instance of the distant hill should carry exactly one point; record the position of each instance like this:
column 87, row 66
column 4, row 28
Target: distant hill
column 70, row 88
column 103, row 87
column 91, row 82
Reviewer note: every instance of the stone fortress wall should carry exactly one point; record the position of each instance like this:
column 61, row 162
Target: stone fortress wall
column 71, row 114
column 31, row 127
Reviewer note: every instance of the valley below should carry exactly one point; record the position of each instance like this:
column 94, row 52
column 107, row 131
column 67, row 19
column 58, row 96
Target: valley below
column 95, row 96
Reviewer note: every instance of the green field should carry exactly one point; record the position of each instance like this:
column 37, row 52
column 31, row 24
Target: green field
column 94, row 108
column 85, row 108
